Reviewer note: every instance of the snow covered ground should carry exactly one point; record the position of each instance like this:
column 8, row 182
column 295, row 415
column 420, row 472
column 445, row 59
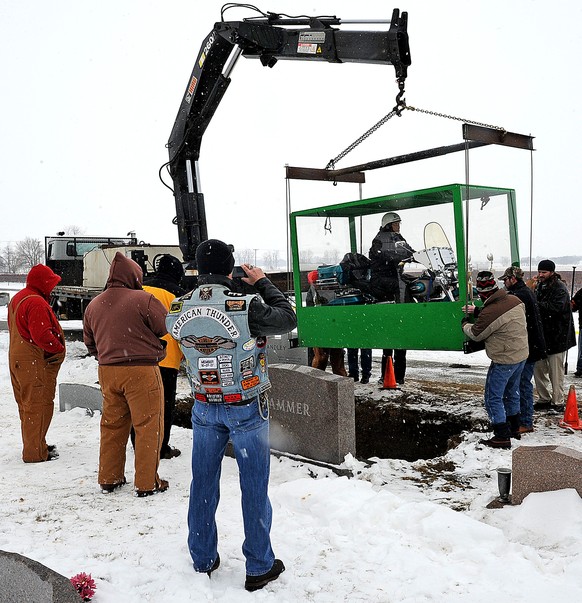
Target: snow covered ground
column 387, row 535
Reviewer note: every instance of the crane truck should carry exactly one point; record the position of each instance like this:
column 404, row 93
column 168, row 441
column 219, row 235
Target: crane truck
column 269, row 38
column 83, row 263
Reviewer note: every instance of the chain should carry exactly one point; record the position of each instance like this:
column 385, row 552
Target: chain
column 467, row 121
column 397, row 110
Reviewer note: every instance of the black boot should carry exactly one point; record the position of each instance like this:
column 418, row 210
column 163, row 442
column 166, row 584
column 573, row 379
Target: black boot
column 514, row 427
column 501, row 437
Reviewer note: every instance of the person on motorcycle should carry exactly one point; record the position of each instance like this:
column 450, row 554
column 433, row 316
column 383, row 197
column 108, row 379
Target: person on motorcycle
column 388, row 253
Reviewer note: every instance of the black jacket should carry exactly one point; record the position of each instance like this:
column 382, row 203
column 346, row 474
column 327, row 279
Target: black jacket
column 535, row 330
column 554, row 304
column 577, row 306
column 164, row 282
column 273, row 316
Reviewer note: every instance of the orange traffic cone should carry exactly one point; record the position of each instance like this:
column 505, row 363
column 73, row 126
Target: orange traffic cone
column 389, row 378
column 571, row 419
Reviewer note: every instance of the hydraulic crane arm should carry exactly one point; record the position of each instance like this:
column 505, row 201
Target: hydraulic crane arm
column 268, row 39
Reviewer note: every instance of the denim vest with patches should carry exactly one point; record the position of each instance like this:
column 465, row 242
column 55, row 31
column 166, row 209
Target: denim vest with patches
column 225, row 364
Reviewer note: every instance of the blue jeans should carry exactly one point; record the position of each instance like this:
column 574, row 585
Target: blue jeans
column 502, row 391
column 526, row 397
column 365, row 360
column 247, row 427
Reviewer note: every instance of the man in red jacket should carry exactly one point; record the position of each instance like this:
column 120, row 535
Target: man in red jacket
column 37, row 350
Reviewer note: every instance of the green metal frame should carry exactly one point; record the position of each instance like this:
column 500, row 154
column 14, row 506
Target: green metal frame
column 420, row 326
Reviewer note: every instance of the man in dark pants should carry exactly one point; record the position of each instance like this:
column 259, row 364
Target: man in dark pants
column 577, row 307
column 513, row 280
column 165, row 287
column 365, row 361
column 556, row 312
column 389, row 250
column 222, row 334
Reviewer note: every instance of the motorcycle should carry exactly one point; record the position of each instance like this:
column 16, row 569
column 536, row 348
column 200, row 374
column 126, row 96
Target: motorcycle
column 438, row 280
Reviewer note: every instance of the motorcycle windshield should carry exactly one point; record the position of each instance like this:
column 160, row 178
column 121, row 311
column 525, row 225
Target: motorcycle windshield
column 434, row 236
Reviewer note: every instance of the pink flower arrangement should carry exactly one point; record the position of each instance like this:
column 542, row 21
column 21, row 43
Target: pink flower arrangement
column 85, row 585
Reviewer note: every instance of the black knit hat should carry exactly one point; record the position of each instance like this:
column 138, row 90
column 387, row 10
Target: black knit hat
column 547, row 266
column 214, row 257
column 171, row 267
column 486, row 283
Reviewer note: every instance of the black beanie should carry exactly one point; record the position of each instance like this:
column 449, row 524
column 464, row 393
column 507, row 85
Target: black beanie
column 171, row 267
column 214, row 257
column 547, row 266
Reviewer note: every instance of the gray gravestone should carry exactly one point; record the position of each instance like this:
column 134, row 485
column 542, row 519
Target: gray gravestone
column 24, row 580
column 72, row 395
column 545, row 468
column 312, row 413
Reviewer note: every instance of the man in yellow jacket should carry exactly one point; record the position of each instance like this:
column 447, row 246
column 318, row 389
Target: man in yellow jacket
column 165, row 287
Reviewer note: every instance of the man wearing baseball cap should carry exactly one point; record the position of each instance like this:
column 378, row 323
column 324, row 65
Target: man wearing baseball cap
column 556, row 312
column 501, row 326
column 513, row 280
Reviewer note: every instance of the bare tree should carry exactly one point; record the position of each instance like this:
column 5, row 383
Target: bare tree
column 306, row 258
column 29, row 252
column 73, row 230
column 271, row 259
column 246, row 256
column 9, row 259
column 331, row 256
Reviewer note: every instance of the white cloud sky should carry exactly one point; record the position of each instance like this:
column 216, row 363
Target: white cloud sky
column 91, row 90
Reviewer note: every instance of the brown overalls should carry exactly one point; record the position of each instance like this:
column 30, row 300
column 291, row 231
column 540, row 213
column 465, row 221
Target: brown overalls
column 34, row 381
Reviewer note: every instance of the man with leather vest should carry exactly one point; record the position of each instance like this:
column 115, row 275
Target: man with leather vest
column 37, row 350
column 222, row 333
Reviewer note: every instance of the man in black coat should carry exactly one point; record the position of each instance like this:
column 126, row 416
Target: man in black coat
column 556, row 312
column 577, row 307
column 513, row 280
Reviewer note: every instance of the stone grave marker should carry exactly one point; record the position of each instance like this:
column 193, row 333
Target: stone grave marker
column 543, row 469
column 312, row 413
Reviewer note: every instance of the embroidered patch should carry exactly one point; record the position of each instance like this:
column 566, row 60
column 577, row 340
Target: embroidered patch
column 207, row 363
column 230, row 398
column 248, row 383
column 233, row 293
column 213, row 390
column 205, row 293
column 235, row 305
column 247, row 364
column 263, row 362
column 175, row 307
column 204, row 312
column 261, row 342
column 207, row 345
column 209, row 377
column 249, row 345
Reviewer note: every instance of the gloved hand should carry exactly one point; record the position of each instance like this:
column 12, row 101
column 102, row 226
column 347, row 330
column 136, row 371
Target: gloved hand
column 465, row 320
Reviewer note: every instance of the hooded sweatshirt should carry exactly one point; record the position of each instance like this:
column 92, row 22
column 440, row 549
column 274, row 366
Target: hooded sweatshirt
column 124, row 324
column 35, row 320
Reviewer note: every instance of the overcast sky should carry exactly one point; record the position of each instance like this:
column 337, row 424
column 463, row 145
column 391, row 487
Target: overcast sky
column 91, row 90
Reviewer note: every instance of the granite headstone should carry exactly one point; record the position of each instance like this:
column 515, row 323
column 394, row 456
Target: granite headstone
column 545, row 468
column 312, row 413
column 24, row 580
column 72, row 395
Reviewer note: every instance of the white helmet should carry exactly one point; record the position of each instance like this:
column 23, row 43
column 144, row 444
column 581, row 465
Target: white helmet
column 389, row 218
